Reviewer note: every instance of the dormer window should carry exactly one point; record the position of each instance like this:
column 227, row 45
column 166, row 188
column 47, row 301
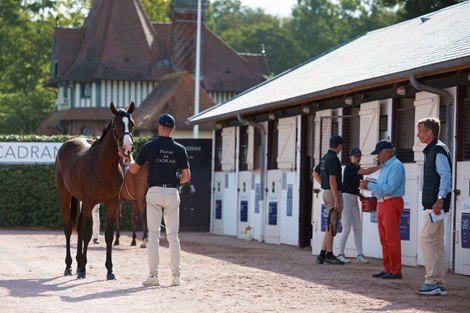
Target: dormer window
column 86, row 90
column 163, row 62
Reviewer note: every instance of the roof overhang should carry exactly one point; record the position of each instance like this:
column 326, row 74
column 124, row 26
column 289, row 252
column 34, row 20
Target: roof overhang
column 441, row 75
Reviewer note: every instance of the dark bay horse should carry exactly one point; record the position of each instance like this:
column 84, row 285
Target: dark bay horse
column 92, row 174
column 134, row 190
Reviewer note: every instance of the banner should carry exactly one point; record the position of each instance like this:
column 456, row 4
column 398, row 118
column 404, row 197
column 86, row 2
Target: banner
column 28, row 152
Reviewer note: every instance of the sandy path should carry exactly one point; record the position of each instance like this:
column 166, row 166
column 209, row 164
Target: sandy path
column 221, row 274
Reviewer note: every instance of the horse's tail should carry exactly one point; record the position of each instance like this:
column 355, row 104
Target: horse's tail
column 74, row 209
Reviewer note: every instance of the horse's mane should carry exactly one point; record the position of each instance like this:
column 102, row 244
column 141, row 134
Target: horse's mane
column 103, row 133
column 120, row 112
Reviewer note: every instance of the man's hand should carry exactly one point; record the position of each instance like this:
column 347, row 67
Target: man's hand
column 437, row 207
column 337, row 207
column 364, row 184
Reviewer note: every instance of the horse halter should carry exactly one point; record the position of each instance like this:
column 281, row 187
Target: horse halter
column 120, row 139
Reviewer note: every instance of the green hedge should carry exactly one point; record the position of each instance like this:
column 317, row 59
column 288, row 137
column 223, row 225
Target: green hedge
column 28, row 195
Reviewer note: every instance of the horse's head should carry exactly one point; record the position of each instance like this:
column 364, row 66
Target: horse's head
column 123, row 127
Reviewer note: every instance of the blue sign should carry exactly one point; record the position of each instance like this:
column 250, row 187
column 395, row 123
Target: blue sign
column 218, row 209
column 289, row 200
column 465, row 230
column 405, row 225
column 244, row 211
column 324, row 220
column 272, row 219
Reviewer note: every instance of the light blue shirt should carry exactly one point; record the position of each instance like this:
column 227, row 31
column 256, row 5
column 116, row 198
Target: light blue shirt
column 391, row 182
column 443, row 169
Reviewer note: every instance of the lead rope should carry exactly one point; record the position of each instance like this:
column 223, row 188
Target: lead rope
column 123, row 166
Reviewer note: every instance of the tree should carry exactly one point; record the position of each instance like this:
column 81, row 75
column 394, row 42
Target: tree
column 412, row 8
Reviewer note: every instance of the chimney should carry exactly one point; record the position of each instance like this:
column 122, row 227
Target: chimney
column 183, row 31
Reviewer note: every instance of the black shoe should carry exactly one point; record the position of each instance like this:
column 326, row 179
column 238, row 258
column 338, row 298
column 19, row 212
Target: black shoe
column 333, row 260
column 392, row 276
column 378, row 275
column 320, row 259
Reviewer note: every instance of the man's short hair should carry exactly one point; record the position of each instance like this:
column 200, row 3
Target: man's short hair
column 335, row 141
column 431, row 123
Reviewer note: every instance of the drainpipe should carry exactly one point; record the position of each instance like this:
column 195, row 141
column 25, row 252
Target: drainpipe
column 262, row 165
column 447, row 100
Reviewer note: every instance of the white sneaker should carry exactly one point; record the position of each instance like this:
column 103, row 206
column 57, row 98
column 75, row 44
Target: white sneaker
column 176, row 281
column 343, row 259
column 362, row 259
column 151, row 281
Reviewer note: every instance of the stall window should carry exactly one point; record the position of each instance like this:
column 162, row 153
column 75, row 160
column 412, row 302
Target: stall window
column 463, row 126
column 218, row 151
column 350, row 131
column 243, row 157
column 272, row 144
column 404, row 129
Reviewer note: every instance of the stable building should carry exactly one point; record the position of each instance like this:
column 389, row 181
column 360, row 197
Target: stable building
column 377, row 86
column 119, row 56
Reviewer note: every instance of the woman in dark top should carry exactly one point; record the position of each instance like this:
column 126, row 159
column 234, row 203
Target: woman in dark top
column 351, row 215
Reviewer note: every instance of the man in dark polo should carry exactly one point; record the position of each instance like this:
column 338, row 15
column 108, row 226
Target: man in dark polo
column 437, row 187
column 328, row 173
column 168, row 168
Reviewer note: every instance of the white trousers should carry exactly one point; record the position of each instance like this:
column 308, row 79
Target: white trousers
column 351, row 216
column 95, row 214
column 163, row 202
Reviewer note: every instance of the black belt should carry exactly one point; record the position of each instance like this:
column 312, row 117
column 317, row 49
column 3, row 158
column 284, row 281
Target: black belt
column 165, row 185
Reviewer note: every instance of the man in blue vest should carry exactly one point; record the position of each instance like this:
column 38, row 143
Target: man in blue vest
column 437, row 187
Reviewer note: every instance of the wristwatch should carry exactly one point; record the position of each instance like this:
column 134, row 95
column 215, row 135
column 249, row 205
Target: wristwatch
column 441, row 198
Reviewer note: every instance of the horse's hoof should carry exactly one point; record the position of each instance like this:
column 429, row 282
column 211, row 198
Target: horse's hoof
column 143, row 245
column 133, row 244
column 111, row 276
column 81, row 275
column 68, row 272
column 116, row 243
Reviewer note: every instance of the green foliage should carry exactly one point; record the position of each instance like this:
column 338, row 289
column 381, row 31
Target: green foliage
column 22, row 112
column 28, row 195
column 157, row 10
column 413, row 8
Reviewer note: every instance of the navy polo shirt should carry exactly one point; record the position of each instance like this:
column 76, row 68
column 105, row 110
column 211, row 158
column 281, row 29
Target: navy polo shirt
column 165, row 159
column 351, row 179
column 330, row 166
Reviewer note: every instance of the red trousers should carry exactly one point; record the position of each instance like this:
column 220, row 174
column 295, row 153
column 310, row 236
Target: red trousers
column 389, row 214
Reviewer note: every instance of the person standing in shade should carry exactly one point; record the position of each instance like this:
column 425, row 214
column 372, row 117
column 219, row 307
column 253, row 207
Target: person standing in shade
column 95, row 214
column 168, row 168
column 389, row 190
column 436, row 194
column 351, row 215
column 328, row 173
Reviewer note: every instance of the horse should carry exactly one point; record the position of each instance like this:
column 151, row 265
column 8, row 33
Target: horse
column 92, row 174
column 134, row 190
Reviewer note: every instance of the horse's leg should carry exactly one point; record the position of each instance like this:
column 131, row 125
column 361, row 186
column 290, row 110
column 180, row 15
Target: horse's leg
column 66, row 206
column 112, row 210
column 133, row 221
column 85, row 228
column 143, row 215
column 118, row 225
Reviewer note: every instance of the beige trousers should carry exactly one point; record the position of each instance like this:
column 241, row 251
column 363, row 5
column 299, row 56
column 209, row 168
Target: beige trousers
column 431, row 242
column 163, row 202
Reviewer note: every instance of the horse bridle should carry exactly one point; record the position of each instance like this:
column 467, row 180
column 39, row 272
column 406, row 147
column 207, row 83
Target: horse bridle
column 117, row 138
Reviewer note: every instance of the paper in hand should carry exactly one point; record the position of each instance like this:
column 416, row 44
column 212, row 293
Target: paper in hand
column 435, row 218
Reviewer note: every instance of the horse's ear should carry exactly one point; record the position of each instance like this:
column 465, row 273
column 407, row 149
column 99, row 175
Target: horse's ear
column 113, row 108
column 131, row 108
